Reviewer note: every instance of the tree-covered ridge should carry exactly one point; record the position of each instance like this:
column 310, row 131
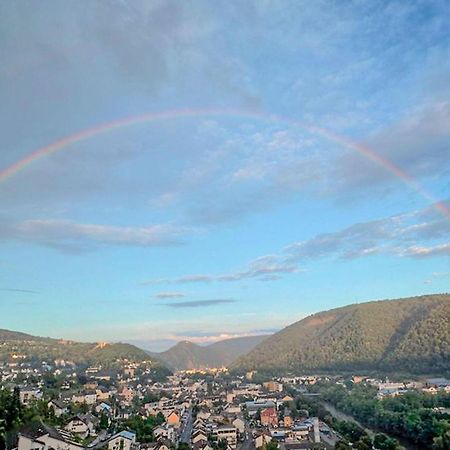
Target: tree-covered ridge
column 8, row 335
column 411, row 335
column 187, row 355
column 23, row 347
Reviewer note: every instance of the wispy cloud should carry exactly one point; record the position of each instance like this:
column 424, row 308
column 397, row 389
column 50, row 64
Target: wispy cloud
column 437, row 276
column 71, row 236
column 264, row 268
column 441, row 274
column 194, row 279
column 200, row 303
column 401, row 235
column 25, row 291
column 168, row 295
column 419, row 251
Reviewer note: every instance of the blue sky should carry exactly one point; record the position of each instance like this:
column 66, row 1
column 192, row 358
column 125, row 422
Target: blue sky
column 213, row 226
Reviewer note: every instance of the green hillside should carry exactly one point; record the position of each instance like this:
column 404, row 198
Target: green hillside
column 21, row 346
column 8, row 335
column 411, row 335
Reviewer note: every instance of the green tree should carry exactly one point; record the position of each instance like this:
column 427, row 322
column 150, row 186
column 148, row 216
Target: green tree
column 342, row 445
column 365, row 443
column 222, row 444
column 383, row 442
column 442, row 442
column 104, row 422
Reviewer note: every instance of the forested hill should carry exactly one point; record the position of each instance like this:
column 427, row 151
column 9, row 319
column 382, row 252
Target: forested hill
column 410, row 335
column 187, row 355
column 21, row 346
column 8, row 335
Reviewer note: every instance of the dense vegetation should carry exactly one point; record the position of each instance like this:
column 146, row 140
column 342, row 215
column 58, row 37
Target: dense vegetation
column 13, row 415
column 411, row 416
column 352, row 436
column 187, row 355
column 143, row 427
column 410, row 335
column 22, row 347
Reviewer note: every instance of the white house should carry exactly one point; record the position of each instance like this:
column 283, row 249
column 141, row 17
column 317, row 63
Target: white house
column 239, row 424
column 124, row 440
column 82, row 425
column 104, row 408
column 42, row 437
column 227, row 433
column 165, row 431
column 59, row 408
column 198, row 436
column 28, row 395
column 262, row 440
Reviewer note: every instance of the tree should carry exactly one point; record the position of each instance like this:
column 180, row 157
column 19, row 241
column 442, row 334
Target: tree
column 442, row 442
column 365, row 443
column 222, row 444
column 342, row 445
column 104, row 422
column 11, row 413
column 2, row 434
column 383, row 442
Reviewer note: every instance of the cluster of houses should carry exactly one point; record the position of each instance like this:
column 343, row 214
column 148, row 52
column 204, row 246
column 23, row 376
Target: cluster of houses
column 250, row 415
column 392, row 389
column 113, row 396
column 204, row 413
column 43, row 437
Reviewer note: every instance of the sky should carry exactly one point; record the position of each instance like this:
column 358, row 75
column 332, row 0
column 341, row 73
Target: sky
column 200, row 170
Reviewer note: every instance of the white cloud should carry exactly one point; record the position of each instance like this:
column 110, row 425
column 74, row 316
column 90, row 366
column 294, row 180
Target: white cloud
column 72, row 236
column 419, row 251
column 399, row 235
column 264, row 268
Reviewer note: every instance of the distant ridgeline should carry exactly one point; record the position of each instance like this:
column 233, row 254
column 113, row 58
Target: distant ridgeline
column 187, row 355
column 410, row 335
column 18, row 347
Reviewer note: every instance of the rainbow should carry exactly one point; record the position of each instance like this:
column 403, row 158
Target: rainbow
column 342, row 140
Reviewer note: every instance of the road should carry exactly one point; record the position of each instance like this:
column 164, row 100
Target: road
column 328, row 435
column 187, row 428
column 102, row 436
column 342, row 416
column 247, row 444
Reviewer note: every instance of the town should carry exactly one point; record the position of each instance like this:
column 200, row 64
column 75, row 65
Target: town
column 69, row 407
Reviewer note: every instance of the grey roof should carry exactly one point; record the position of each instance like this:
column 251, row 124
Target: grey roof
column 59, row 403
column 35, row 430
